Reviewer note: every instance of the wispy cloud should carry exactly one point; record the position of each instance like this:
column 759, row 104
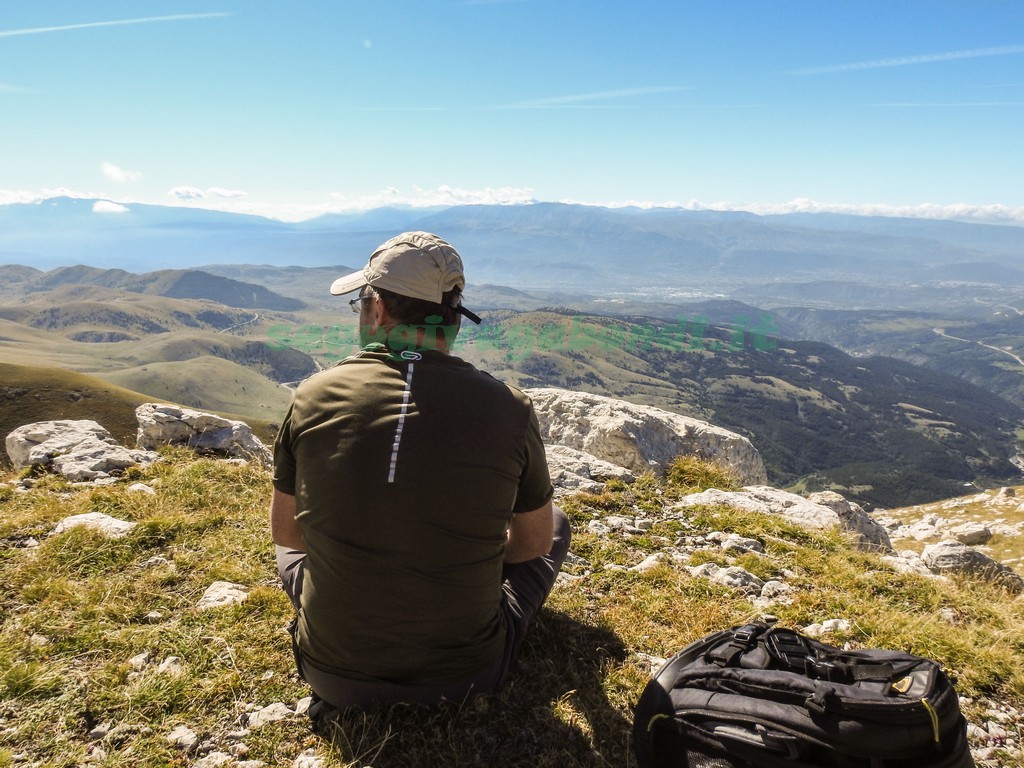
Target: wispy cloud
column 589, row 99
column 956, row 104
column 905, row 61
column 491, row 2
column 115, row 23
column 118, row 174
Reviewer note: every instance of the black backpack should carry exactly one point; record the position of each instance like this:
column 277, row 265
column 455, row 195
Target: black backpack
column 760, row 696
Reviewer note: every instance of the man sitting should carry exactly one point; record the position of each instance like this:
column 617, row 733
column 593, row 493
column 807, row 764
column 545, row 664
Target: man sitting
column 412, row 508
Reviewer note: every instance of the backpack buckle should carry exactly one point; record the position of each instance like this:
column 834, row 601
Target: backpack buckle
column 789, row 648
column 746, row 635
column 819, row 669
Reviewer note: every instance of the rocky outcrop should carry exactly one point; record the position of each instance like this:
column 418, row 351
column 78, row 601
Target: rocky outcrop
column 80, row 450
column 161, row 424
column 639, row 437
column 820, row 511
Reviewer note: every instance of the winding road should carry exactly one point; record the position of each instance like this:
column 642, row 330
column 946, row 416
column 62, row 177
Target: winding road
column 942, row 332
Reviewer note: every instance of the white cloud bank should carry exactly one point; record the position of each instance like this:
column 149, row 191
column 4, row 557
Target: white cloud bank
column 981, row 214
column 107, row 206
column 234, row 201
column 118, row 174
column 425, row 198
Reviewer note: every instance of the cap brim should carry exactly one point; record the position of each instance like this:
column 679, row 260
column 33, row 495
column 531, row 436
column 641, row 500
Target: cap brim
column 348, row 283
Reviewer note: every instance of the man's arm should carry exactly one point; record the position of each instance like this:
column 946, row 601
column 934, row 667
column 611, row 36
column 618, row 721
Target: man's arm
column 284, row 528
column 530, row 535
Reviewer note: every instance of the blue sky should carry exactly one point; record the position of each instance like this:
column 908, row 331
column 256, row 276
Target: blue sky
column 291, row 109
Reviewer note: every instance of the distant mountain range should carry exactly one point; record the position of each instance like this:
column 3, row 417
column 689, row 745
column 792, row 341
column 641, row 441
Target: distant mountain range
column 660, row 252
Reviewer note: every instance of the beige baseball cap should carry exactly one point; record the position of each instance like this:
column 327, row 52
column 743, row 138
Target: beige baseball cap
column 416, row 264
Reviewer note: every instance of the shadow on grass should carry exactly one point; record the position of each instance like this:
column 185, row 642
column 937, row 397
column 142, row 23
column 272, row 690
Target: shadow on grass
column 552, row 711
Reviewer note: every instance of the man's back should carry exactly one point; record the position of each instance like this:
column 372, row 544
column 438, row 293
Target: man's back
column 406, row 473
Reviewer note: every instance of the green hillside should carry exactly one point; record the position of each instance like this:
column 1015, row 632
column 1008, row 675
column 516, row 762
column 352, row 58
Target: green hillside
column 91, row 313
column 207, row 383
column 29, row 394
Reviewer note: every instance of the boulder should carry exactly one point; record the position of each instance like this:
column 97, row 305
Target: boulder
column 161, row 424
column 952, row 556
column 573, row 470
column 908, row 561
column 971, row 533
column 854, row 518
column 639, row 437
column 80, row 450
column 796, row 509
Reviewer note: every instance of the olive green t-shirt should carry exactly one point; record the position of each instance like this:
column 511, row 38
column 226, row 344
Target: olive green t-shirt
column 406, row 471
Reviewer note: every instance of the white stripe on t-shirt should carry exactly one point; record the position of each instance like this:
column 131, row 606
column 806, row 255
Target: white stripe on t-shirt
column 406, row 395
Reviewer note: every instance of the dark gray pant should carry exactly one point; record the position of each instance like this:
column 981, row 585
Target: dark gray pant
column 525, row 587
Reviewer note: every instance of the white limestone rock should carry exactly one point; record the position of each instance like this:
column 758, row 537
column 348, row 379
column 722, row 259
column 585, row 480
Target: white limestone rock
column 81, row 450
column 109, row 526
column 183, row 737
column 269, row 714
column 638, row 437
column 908, row 562
column 854, row 518
column 827, row 627
column 309, row 759
column 572, row 470
column 162, row 424
column 972, row 534
column 221, row 593
column 733, row 577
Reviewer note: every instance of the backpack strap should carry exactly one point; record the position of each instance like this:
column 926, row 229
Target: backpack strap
column 819, row 661
column 743, row 639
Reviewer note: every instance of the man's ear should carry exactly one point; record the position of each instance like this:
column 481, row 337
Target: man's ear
column 378, row 312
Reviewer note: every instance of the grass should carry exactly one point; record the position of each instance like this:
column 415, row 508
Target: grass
column 77, row 612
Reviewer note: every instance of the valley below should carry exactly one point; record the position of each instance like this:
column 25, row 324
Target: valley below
column 877, row 358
